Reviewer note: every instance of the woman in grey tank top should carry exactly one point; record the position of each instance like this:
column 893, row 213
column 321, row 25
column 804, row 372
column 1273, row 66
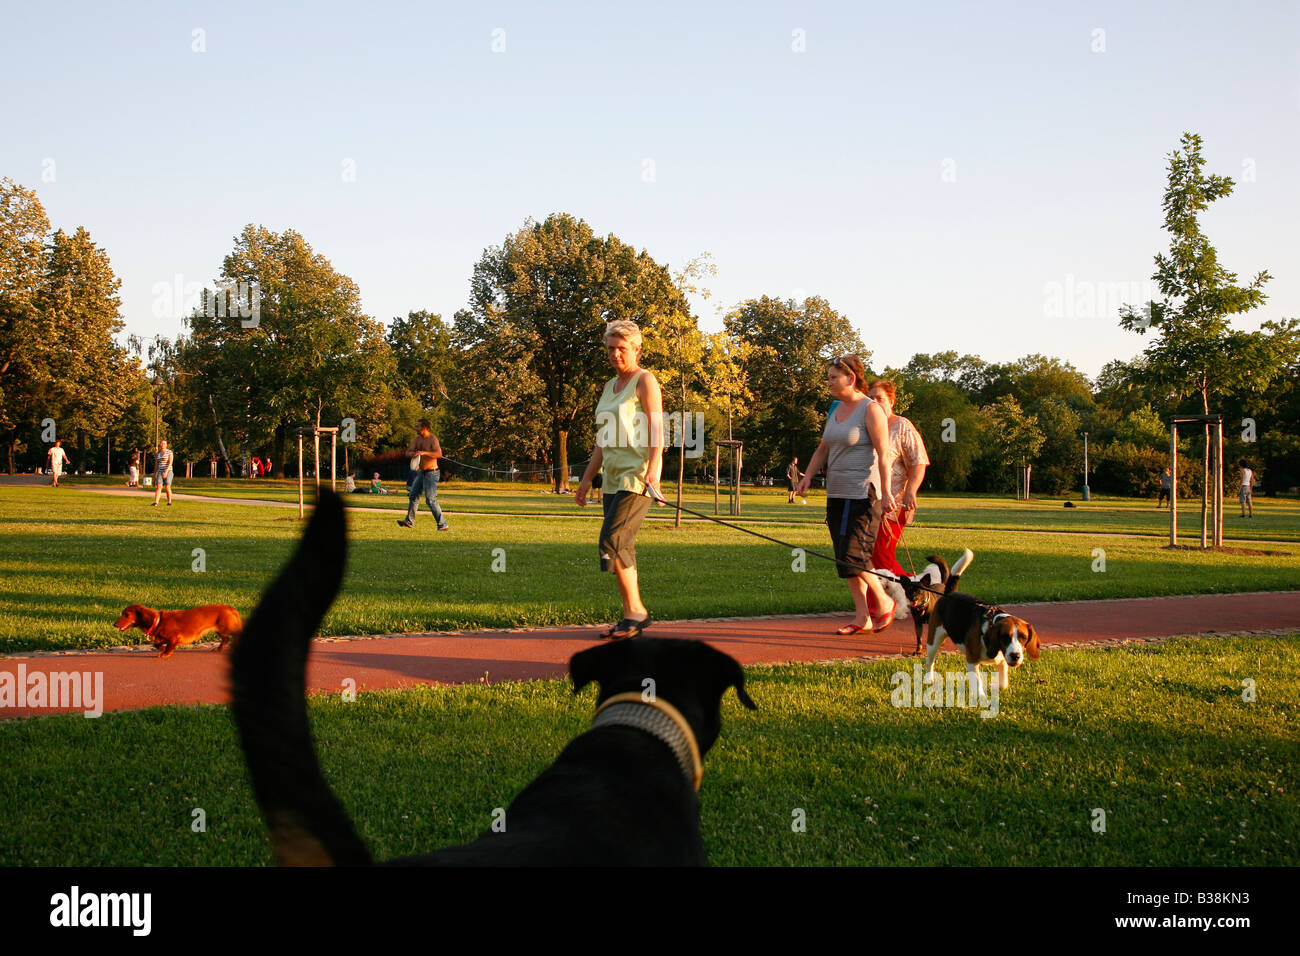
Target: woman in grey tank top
column 856, row 452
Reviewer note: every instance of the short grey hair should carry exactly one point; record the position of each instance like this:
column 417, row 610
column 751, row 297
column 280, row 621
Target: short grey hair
column 630, row 332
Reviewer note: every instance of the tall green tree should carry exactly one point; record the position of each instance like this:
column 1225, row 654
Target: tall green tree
column 1035, row 378
column 730, row 402
column 968, row 372
column 1060, row 459
column 1195, row 349
column 949, row 424
column 422, row 349
column 307, row 355
column 27, row 336
column 178, row 412
column 496, row 403
column 91, row 374
column 1016, row 436
column 1128, row 386
column 545, row 294
column 134, row 426
column 790, row 346
column 1277, row 416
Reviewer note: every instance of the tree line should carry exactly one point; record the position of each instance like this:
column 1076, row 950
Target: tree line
column 280, row 342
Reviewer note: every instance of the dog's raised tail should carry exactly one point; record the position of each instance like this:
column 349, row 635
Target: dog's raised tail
column 268, row 674
column 962, row 563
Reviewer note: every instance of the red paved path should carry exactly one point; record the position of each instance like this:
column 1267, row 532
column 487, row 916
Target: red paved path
column 138, row 678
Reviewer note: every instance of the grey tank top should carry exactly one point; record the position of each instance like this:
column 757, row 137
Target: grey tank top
column 852, row 464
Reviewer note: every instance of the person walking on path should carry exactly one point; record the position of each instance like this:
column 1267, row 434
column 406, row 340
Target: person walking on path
column 910, row 462
column 162, row 472
column 629, row 456
column 424, row 451
column 792, row 477
column 1166, row 488
column 56, row 457
column 133, row 471
column 856, row 452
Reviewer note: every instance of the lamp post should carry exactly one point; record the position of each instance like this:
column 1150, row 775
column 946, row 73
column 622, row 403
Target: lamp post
column 1087, row 494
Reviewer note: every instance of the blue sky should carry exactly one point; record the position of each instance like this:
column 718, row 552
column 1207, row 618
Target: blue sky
column 980, row 177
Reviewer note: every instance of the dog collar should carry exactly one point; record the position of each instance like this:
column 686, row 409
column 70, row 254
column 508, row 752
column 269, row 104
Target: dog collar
column 659, row 719
column 991, row 615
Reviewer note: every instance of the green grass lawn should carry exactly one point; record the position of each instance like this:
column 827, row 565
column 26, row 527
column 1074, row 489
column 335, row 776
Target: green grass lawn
column 1156, row 736
column 71, row 560
column 1275, row 519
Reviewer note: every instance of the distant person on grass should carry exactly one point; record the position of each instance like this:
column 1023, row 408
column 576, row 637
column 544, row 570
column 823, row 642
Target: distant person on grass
column 792, row 477
column 56, row 457
column 133, row 473
column 377, row 486
column 1166, row 489
column 1247, row 489
column 425, row 452
column 629, row 456
column 162, row 472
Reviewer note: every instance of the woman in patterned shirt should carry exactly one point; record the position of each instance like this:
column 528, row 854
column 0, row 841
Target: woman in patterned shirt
column 162, row 472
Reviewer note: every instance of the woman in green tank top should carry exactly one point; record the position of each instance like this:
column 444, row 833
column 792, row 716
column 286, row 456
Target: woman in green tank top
column 629, row 456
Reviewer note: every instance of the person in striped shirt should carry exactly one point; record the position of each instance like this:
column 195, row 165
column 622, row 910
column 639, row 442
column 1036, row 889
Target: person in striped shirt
column 162, row 472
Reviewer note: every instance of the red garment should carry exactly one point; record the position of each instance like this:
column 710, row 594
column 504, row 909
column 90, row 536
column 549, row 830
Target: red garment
column 882, row 555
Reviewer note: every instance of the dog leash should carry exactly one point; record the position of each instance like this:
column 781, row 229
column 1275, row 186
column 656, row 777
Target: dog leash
column 785, row 544
column 899, row 540
column 908, row 551
column 518, row 471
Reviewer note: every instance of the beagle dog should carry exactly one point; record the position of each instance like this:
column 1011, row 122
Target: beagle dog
column 988, row 634
column 170, row 629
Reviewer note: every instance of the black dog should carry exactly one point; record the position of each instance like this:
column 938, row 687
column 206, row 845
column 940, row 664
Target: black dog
column 621, row 793
column 924, row 590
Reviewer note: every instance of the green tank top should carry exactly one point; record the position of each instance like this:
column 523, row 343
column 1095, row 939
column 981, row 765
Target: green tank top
column 623, row 434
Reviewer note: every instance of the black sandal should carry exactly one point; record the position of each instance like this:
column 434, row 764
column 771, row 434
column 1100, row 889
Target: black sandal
column 631, row 628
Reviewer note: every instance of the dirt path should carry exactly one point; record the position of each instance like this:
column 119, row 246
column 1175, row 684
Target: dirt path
column 135, row 678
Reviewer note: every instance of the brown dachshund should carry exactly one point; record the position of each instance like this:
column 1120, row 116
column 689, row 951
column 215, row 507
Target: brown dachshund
column 170, row 629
